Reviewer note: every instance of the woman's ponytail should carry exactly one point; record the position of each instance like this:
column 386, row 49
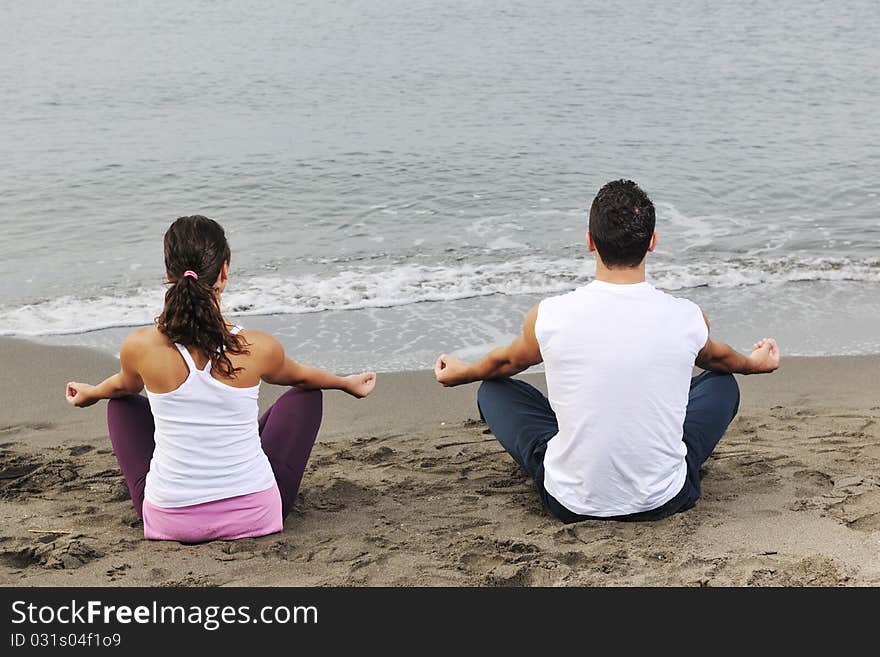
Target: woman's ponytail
column 195, row 252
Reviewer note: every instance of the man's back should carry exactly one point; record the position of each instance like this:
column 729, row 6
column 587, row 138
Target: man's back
column 619, row 360
column 625, row 429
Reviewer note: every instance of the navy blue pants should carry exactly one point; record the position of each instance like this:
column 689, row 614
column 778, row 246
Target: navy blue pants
column 523, row 422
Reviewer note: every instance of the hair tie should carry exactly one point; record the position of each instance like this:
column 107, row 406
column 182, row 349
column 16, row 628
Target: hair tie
column 190, row 272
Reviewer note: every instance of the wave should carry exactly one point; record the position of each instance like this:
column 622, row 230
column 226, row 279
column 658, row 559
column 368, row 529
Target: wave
column 365, row 287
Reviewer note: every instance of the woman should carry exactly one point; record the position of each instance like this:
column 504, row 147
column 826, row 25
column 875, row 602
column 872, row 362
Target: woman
column 198, row 463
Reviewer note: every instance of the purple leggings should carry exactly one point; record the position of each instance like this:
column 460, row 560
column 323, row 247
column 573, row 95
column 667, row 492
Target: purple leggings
column 287, row 432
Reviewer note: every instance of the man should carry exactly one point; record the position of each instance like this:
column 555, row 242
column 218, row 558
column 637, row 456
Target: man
column 626, row 428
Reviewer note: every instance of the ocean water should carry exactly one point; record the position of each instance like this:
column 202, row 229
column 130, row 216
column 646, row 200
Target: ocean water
column 403, row 178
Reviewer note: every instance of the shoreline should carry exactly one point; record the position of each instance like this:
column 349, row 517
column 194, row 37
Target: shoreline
column 826, row 381
column 408, row 337
column 404, row 488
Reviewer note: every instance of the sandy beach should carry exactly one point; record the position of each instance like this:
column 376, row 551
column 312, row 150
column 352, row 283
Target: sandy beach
column 406, row 488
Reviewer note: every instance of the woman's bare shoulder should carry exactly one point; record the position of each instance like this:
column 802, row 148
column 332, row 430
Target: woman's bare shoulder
column 145, row 339
column 259, row 341
column 147, row 336
column 141, row 346
column 263, row 347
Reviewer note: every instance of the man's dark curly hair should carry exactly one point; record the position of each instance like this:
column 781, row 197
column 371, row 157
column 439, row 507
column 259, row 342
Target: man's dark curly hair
column 622, row 223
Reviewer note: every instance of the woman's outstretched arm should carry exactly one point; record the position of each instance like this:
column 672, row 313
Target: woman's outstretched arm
column 126, row 381
column 283, row 371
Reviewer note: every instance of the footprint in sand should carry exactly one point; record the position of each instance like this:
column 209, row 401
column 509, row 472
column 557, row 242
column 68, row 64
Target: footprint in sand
column 25, row 475
column 810, row 483
column 860, row 512
column 20, row 558
column 338, row 495
column 68, row 555
column 16, row 471
column 379, row 455
column 13, row 429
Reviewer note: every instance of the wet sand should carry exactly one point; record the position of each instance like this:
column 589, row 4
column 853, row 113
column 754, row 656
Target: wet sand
column 406, row 488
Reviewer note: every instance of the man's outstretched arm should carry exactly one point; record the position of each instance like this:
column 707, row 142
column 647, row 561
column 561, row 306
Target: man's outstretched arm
column 512, row 359
column 719, row 357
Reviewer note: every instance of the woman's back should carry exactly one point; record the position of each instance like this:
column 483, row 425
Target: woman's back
column 207, row 439
column 164, row 368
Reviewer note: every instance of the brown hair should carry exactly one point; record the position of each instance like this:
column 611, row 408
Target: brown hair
column 192, row 315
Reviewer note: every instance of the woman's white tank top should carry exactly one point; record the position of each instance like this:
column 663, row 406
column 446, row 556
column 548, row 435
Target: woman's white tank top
column 207, row 441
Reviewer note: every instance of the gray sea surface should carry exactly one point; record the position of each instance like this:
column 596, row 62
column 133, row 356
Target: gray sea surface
column 403, row 178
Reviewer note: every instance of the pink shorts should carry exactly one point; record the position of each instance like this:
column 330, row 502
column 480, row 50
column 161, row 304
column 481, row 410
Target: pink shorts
column 254, row 514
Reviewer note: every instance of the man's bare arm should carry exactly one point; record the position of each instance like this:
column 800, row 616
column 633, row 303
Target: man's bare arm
column 511, row 359
column 720, row 357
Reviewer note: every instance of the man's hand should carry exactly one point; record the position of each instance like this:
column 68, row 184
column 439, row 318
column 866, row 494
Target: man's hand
column 511, row 359
column 360, row 385
column 724, row 359
column 80, row 394
column 450, row 371
column 765, row 357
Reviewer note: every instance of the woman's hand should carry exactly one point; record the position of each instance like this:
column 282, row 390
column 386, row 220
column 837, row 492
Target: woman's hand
column 80, row 394
column 360, row 385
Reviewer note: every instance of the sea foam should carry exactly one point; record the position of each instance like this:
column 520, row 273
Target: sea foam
column 366, row 286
